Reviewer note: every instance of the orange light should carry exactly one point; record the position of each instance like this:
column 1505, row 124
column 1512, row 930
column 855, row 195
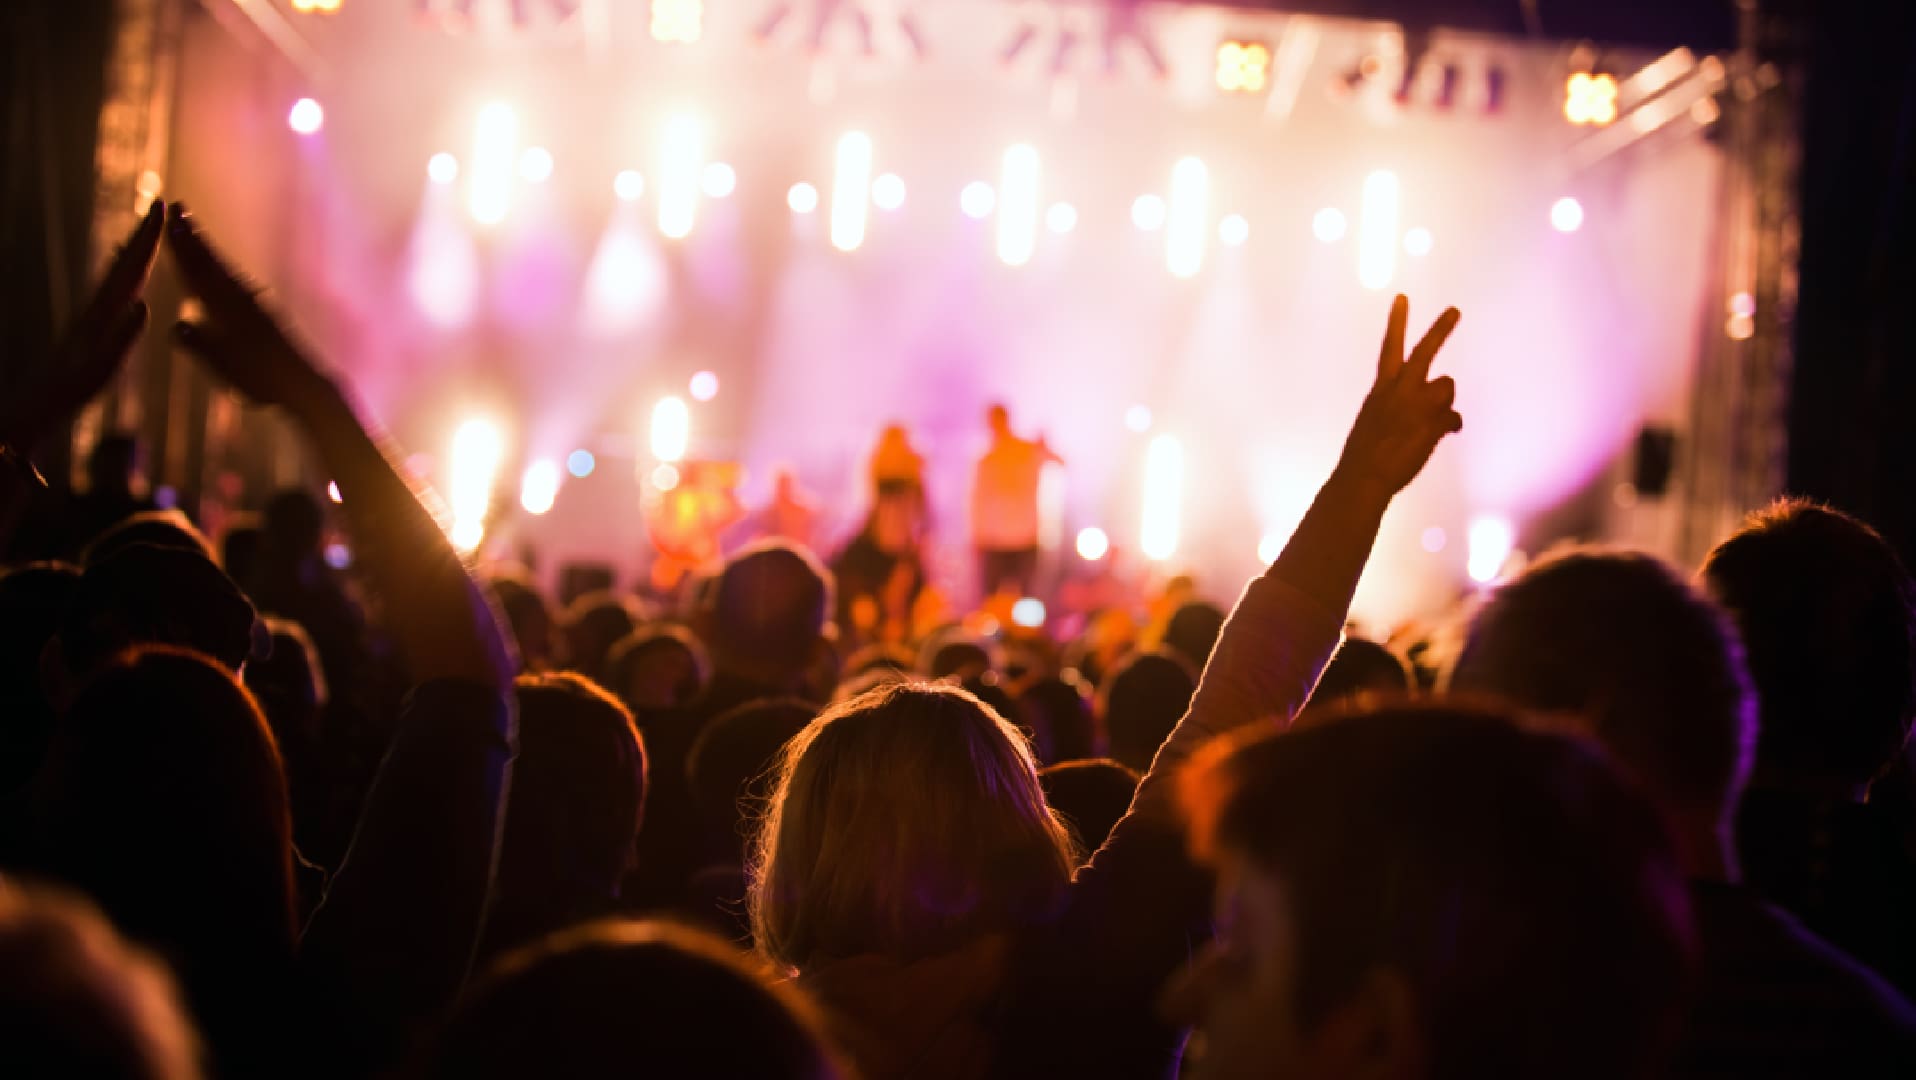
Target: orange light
column 1590, row 99
column 1243, row 67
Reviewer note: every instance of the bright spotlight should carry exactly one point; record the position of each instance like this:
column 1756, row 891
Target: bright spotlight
column 719, row 180
column 539, row 488
column 535, row 165
column 1328, row 225
column 1233, row 230
column 1243, row 66
column 1566, row 214
column 1190, row 214
column 1018, row 209
column 704, row 386
column 1147, row 212
column 1163, row 498
column 680, row 148
column 888, row 191
column 305, row 117
column 1377, row 232
column 494, row 136
column 1028, row 612
column 580, row 463
column 679, row 22
column 442, row 168
column 332, row 490
column 851, row 190
column 802, row 198
column 1138, row 418
column 671, row 429
column 628, row 185
column 978, row 199
column 1269, row 547
column 1417, row 242
column 665, row 477
column 1491, row 539
column 476, row 449
column 1061, row 218
column 1590, row 99
column 1093, row 544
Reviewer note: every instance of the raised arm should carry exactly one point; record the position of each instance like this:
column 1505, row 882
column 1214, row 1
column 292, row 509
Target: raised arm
column 392, row 941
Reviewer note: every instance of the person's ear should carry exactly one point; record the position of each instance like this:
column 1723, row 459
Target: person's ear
column 1375, row 1034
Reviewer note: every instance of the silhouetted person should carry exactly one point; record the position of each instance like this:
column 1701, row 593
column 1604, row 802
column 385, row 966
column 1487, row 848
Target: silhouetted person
column 657, row 668
column 1057, row 710
column 767, row 617
column 730, row 771
column 296, row 582
column 534, row 630
column 157, row 528
column 1140, row 703
column 1004, row 506
column 1193, row 630
column 112, row 468
column 1359, row 667
column 1827, row 614
column 1430, row 892
column 1090, row 796
column 146, row 595
column 31, row 600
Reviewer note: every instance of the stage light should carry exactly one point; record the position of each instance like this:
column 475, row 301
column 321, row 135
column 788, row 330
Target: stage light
column 665, row 477
column 1417, row 241
column 1743, row 304
column 476, row 449
column 339, row 556
column 1163, row 498
column 1147, row 212
column 305, row 117
column 332, row 490
column 1269, row 547
column 888, row 191
column 1028, row 612
column 802, row 198
column 1491, row 539
column 1093, row 544
column 704, row 386
column 628, row 185
column 1377, row 231
column 1328, row 225
column 1189, row 218
column 1590, row 99
column 539, row 488
column 671, row 429
column 1061, row 218
column 1018, row 209
column 678, row 21
column 851, row 190
column 1566, row 215
column 1138, row 418
column 580, row 463
column 719, row 180
column 679, row 154
column 1243, row 66
column 495, row 135
column 1740, row 327
column 442, row 168
column 1233, row 230
column 978, row 199
column 535, row 165
column 1434, row 539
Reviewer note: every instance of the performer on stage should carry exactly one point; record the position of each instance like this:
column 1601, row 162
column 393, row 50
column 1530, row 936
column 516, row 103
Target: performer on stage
column 1004, row 507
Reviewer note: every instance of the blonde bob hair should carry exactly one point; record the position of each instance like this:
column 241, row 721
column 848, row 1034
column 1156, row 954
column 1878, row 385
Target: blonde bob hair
column 904, row 822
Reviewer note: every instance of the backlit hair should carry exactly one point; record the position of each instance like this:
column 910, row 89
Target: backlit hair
column 904, row 822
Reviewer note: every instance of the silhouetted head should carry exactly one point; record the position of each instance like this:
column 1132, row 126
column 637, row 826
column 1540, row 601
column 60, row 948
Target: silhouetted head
column 294, row 522
column 32, row 598
column 1090, row 795
column 768, row 612
column 733, row 760
column 998, row 418
column 146, row 595
column 154, row 528
column 620, row 999
column 784, row 485
column 572, row 823
column 289, row 684
column 593, row 623
column 1057, row 709
column 1358, row 667
column 241, row 550
column 1193, row 631
column 1617, row 641
column 1429, row 891
column 1827, row 615
column 78, row 1001
column 661, row 666
column 955, row 654
column 526, row 612
column 904, row 822
column 111, row 464
column 1142, row 700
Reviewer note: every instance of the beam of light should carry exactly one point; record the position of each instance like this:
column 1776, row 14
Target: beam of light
column 476, row 449
column 1233, row 230
column 495, row 136
column 306, row 117
column 1328, row 225
column 802, row 198
column 888, row 191
column 539, row 487
column 628, row 185
column 442, row 273
column 704, row 386
column 1147, row 212
column 1190, row 217
column 1061, row 218
column 1566, row 215
column 625, row 281
column 671, row 429
column 1163, row 498
column 719, row 180
column 978, row 199
column 442, row 168
column 681, row 148
column 1491, row 539
column 1377, row 231
column 1018, row 204
column 1417, row 242
column 535, row 165
column 580, row 463
column 851, row 190
column 1093, row 544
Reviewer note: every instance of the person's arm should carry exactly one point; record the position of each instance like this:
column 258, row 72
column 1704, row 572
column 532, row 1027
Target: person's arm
column 393, row 938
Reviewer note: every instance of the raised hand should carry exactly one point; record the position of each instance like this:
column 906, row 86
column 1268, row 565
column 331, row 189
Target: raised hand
column 1407, row 413
column 239, row 339
column 97, row 343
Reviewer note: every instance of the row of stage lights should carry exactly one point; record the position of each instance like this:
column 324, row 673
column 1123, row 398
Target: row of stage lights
column 497, row 162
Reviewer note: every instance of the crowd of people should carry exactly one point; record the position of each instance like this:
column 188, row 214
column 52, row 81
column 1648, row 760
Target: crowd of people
column 262, row 818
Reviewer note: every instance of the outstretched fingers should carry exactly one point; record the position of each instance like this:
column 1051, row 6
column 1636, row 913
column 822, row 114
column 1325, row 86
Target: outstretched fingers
column 1390, row 358
column 126, row 275
column 1418, row 366
column 206, row 274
